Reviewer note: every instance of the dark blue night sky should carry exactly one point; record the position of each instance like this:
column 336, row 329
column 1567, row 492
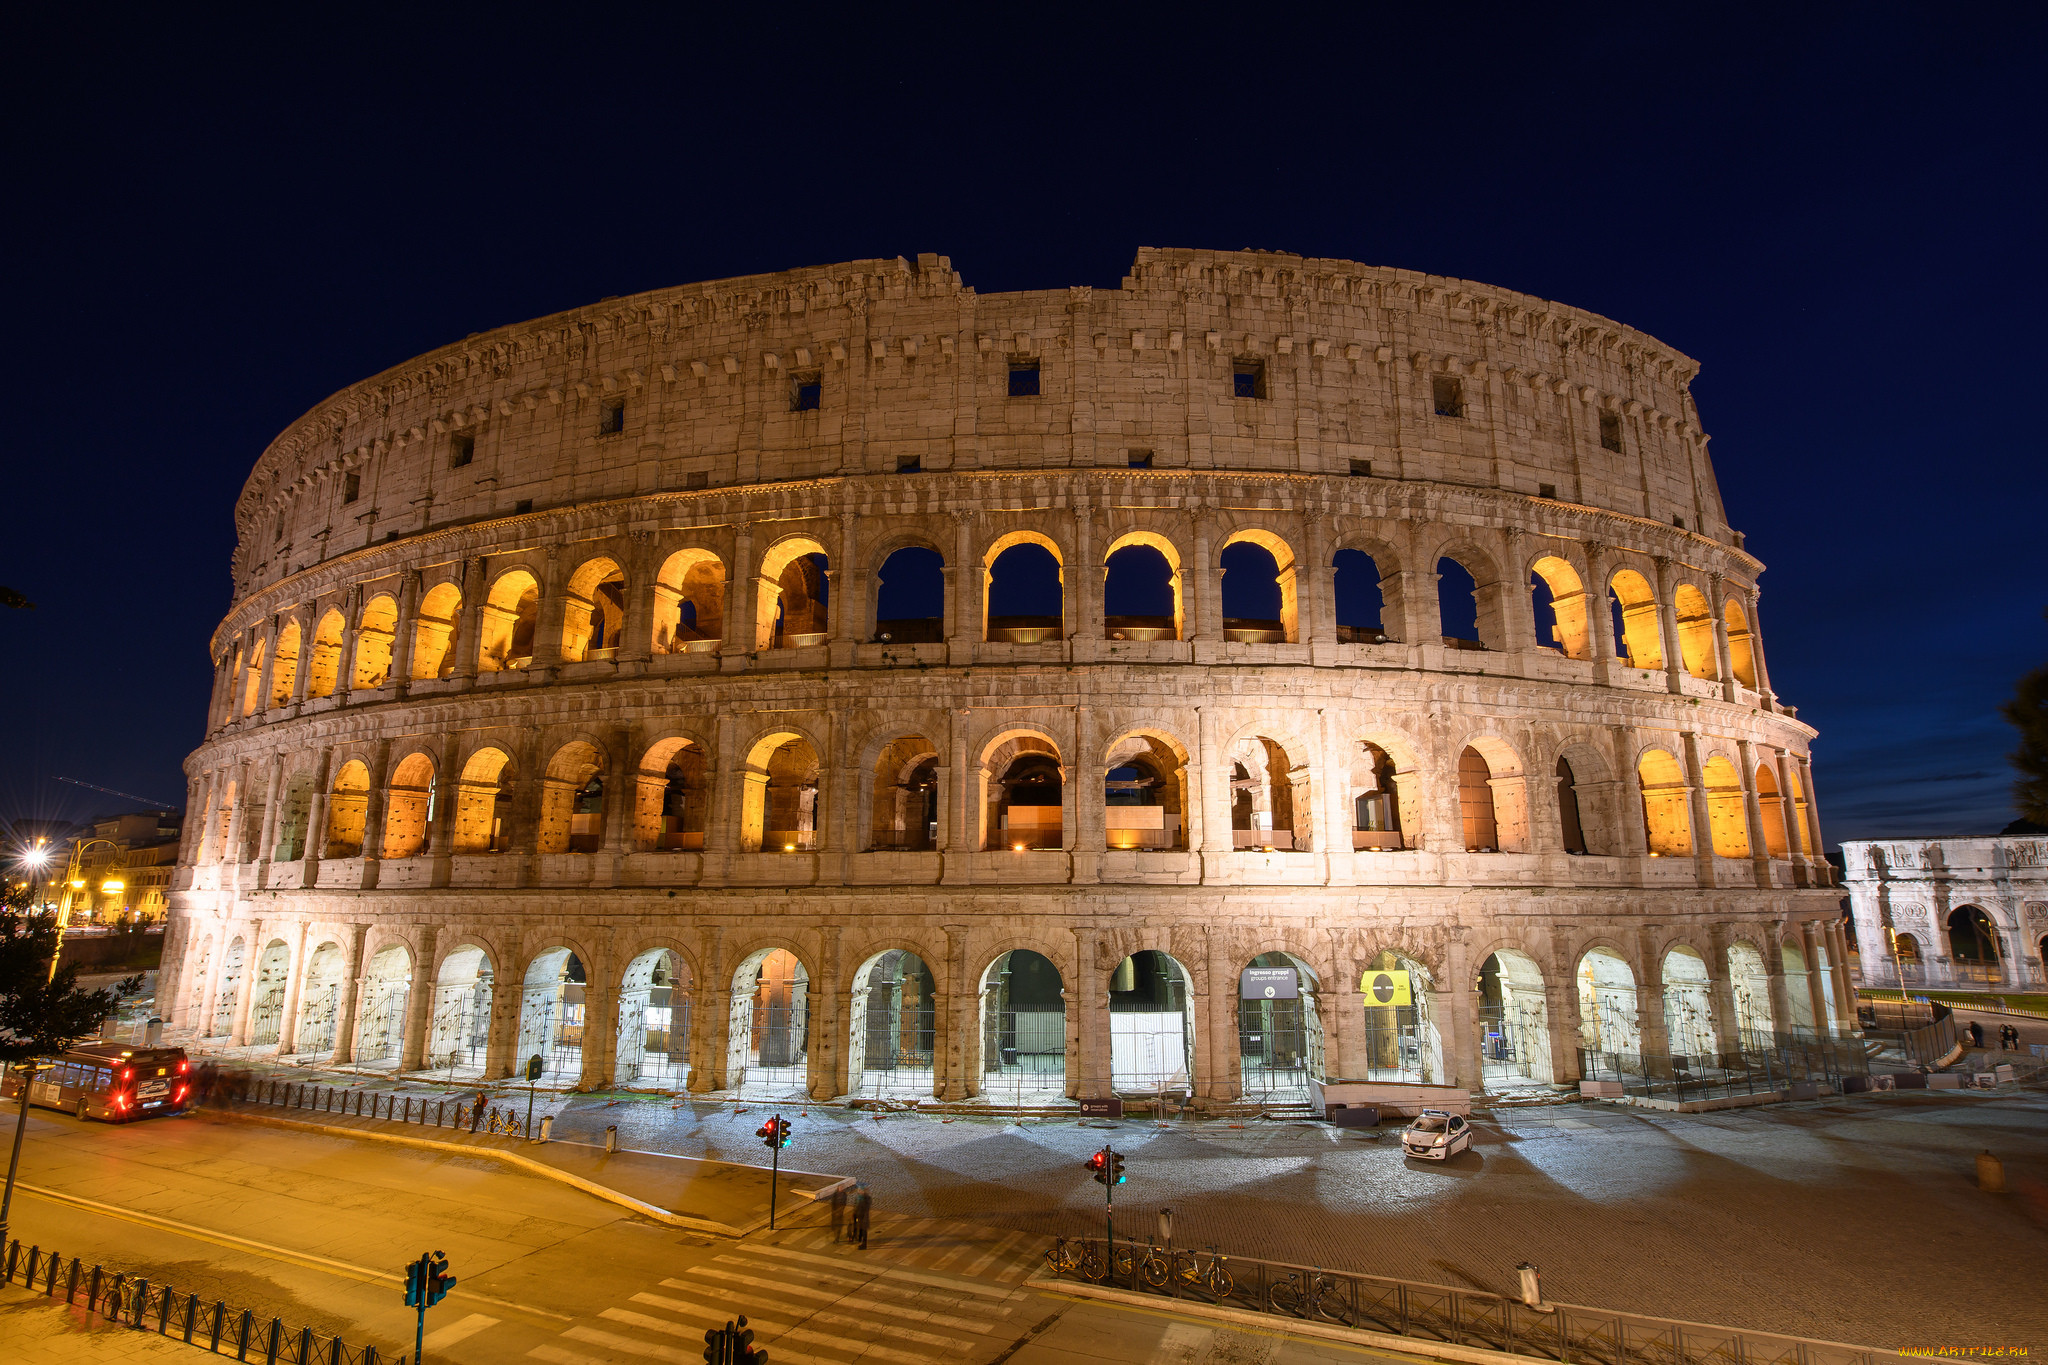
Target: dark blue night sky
column 1837, row 211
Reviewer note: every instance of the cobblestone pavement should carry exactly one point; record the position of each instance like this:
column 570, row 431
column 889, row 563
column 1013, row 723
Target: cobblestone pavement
column 1844, row 1219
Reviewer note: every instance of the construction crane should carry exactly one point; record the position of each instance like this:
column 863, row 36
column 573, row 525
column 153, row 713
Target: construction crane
column 131, row 796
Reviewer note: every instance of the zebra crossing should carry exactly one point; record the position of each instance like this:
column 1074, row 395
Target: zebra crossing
column 923, row 1293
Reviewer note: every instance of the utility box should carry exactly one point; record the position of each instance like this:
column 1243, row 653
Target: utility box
column 1354, row 1115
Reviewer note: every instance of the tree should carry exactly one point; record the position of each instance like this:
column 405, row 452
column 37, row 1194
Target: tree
column 10, row 598
column 2028, row 712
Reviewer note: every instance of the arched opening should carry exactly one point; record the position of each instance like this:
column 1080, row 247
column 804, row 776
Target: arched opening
column 320, row 999
column 386, row 990
column 511, row 613
column 1023, row 1029
column 459, row 1034
column 1144, row 794
column 1771, row 808
column 654, row 1022
column 1259, row 590
column 1401, row 1041
column 285, row 671
column 223, row 817
column 1514, row 1022
column 229, row 993
column 593, row 612
column 433, row 648
column 910, row 598
column 1023, row 598
column 893, row 1027
column 904, row 808
column 1689, row 1010
column 483, row 808
column 1279, row 1032
column 409, row 807
column 1269, row 798
column 1741, row 646
column 1022, row 783
column 1151, row 1027
column 252, row 682
column 1667, row 824
column 294, row 807
column 1568, row 815
column 1457, row 598
column 779, row 808
column 1607, row 1008
column 1382, row 795
column 325, row 663
column 551, row 1005
column 374, row 637
column 348, row 811
column 1141, row 597
column 768, row 1044
column 266, row 1006
column 1973, row 945
column 1749, row 982
column 793, row 608
column 672, row 798
column 1727, row 816
column 1799, row 998
column 1695, row 631
column 1559, row 597
column 1635, row 620
column 572, row 800
column 689, row 603
column 1360, row 599
column 1475, row 803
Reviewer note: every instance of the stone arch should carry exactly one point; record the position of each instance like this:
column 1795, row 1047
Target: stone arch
column 1975, row 952
column 892, row 1028
column 1741, row 643
column 266, row 1000
column 593, row 610
column 672, row 796
column 1798, row 998
column 1772, row 810
column 1022, row 580
column 1634, row 605
column 909, row 601
column 792, row 606
column 1514, row 1020
column 324, row 664
column 459, row 1027
column 408, row 807
column 1364, row 593
column 252, row 682
column 1385, row 788
column 228, row 994
column 572, row 799
column 552, row 1013
column 689, row 602
column 1401, row 1042
column 434, row 642
column 1023, row 791
column 1493, row 797
column 1271, row 804
column 1280, row 1043
column 1749, row 982
column 1151, row 1025
column 768, row 1035
column 1689, row 1027
column 376, row 631
column 1588, row 799
column 1667, row 817
column 1274, row 575
column 1485, row 628
column 295, row 805
column 903, row 793
column 782, row 794
column 320, row 991
column 656, row 1000
column 510, row 616
column 284, row 671
column 1695, row 631
column 1561, row 607
column 1727, row 809
column 386, row 992
column 1146, row 800
column 1608, row 1019
column 1023, row 1027
column 348, row 810
column 1138, row 581
column 483, row 807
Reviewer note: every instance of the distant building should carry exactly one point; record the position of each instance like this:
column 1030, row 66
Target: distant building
column 119, row 866
column 1970, row 914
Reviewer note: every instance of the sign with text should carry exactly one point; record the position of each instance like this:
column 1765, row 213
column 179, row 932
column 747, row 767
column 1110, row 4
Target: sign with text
column 1386, row 988
column 1269, row 983
column 1111, row 1108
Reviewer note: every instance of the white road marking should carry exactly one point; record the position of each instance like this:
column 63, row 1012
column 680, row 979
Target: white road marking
column 561, row 1357
column 820, row 1314
column 1182, row 1344
column 915, row 1277
column 459, row 1330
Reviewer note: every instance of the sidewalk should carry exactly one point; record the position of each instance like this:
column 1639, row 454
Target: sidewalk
column 723, row 1198
column 40, row 1331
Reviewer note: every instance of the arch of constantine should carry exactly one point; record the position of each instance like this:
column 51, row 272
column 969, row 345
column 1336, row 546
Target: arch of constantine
column 840, row 682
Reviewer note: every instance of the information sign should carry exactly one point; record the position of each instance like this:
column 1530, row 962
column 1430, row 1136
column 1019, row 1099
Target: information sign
column 1386, row 988
column 1269, row 983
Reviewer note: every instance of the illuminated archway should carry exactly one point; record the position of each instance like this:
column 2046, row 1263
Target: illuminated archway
column 1023, row 1029
column 1514, row 1022
column 893, row 1027
column 654, row 1022
column 551, row 1016
column 1607, row 1004
column 459, row 1033
column 1151, row 1025
column 1279, row 1029
column 768, row 1038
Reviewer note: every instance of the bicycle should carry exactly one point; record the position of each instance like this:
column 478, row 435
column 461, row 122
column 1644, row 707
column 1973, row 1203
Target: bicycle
column 1152, row 1267
column 1307, row 1296
column 1063, row 1257
column 1093, row 1267
column 1124, row 1262
column 1188, row 1269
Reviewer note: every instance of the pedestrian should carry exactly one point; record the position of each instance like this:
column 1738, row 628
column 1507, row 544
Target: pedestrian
column 2009, row 1038
column 863, row 1210
column 476, row 1115
column 838, row 1209
column 1976, row 1034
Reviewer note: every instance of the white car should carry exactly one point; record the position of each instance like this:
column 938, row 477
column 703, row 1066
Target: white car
column 1437, row 1135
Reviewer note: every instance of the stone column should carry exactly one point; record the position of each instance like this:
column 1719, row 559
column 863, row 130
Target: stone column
column 1561, row 1012
column 1081, row 587
column 1219, row 1067
column 405, row 632
column 316, row 818
column 1650, row 1024
column 959, row 802
column 1823, row 874
column 964, row 578
column 375, row 807
column 1087, row 1023
column 1789, row 791
column 738, row 641
column 266, row 838
column 636, row 628
column 554, row 605
column 1697, row 810
column 1724, row 661
column 1454, row 1009
column 1721, row 992
column 419, row 1004
column 352, row 980
column 711, row 1018
column 1337, row 1004
column 600, row 1036
column 828, row 1018
column 469, row 628
column 303, row 677
column 956, row 1006
column 619, row 789
column 1519, row 614
column 1809, row 945
column 1753, row 815
column 1203, row 579
column 351, row 636
column 1783, row 1018
column 1756, row 656
column 501, row 1042
column 1212, row 790
column 266, row 676
column 1845, row 988
column 1599, row 614
column 1667, row 626
column 294, row 986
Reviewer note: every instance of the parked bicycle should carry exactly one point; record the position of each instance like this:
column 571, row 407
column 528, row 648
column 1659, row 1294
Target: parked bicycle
column 1214, row 1277
column 1308, row 1295
column 1152, row 1267
column 1064, row 1257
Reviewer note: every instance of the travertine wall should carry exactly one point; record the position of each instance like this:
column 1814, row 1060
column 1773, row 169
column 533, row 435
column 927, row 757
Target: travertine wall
column 442, row 622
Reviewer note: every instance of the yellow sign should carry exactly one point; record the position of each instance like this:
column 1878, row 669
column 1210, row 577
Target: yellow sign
column 1385, row 988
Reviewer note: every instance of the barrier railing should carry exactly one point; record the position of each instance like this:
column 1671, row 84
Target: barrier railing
column 134, row 1301
column 427, row 1111
column 1765, row 1063
column 1565, row 1333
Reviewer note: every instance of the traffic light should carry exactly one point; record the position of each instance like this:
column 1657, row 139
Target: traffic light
column 714, row 1346
column 1098, row 1168
column 781, row 1132
column 732, row 1344
column 415, row 1282
column 1116, row 1168
column 743, row 1350
column 439, row 1281
column 769, row 1137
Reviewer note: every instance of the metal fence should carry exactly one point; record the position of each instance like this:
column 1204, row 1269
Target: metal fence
column 136, row 1302
column 468, row 1115
column 1442, row 1313
column 1767, row 1063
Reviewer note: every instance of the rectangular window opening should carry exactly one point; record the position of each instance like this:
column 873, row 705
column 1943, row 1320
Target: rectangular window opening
column 1610, row 431
column 1547, row 490
column 697, row 478
column 522, row 507
column 1361, row 469
column 1679, row 522
column 909, row 464
column 1248, row 377
column 1139, row 459
column 614, row 419
column 1023, row 378
column 1448, row 393
column 461, row 451
column 806, row 391
column 351, row 487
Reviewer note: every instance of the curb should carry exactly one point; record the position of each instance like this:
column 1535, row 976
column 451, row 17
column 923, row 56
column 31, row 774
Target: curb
column 532, row 1167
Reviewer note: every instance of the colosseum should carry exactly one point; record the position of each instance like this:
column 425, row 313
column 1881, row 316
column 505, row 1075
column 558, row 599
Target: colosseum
column 841, row 683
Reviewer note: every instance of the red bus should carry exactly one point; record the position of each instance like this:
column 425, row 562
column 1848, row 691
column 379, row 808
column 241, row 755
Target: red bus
column 112, row 1082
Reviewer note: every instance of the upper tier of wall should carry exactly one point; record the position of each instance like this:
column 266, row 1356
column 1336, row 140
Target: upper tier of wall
column 913, row 366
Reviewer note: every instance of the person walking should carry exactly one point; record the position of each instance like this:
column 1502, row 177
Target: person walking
column 838, row 1211
column 1976, row 1034
column 863, row 1210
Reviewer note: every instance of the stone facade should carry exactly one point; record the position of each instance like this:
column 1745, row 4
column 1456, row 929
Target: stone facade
column 1931, row 893
column 576, row 635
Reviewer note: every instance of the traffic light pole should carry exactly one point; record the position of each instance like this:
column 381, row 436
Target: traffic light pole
column 419, row 1334
column 774, row 1169
column 1108, row 1209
